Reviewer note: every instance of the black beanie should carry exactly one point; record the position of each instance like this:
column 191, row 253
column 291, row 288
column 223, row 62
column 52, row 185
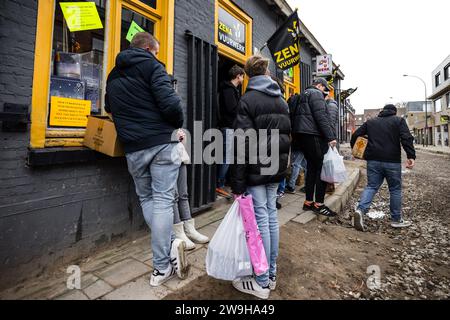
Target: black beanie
column 390, row 107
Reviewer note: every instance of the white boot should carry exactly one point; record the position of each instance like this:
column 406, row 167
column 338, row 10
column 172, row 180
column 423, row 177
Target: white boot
column 194, row 235
column 179, row 234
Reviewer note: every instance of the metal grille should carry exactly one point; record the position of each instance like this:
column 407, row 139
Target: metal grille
column 305, row 76
column 201, row 106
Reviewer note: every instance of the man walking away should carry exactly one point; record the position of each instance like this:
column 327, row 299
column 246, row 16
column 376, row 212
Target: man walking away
column 146, row 111
column 383, row 154
column 311, row 128
column 262, row 108
column 298, row 160
column 229, row 96
column 333, row 111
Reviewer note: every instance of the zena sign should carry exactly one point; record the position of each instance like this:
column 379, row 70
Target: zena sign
column 231, row 31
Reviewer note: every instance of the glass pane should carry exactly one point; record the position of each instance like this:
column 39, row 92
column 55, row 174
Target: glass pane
column 128, row 17
column 289, row 75
column 150, row 3
column 77, row 62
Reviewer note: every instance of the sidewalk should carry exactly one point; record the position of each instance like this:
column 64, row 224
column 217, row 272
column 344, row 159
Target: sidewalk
column 124, row 272
column 433, row 149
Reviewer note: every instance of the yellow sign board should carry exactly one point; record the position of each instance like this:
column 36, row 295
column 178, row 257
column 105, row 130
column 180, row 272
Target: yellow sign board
column 81, row 16
column 67, row 112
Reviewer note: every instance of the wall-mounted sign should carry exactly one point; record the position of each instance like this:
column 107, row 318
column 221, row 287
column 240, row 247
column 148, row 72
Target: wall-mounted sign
column 324, row 65
column 67, row 112
column 81, row 16
column 231, row 31
column 444, row 119
column 134, row 28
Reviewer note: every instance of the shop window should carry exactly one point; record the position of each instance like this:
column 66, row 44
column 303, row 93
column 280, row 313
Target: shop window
column 130, row 18
column 150, row 3
column 77, row 63
column 437, row 105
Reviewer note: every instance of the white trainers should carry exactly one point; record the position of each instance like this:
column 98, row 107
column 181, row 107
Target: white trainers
column 250, row 286
column 401, row 224
column 159, row 277
column 193, row 234
column 178, row 258
column 272, row 283
column 358, row 220
column 178, row 229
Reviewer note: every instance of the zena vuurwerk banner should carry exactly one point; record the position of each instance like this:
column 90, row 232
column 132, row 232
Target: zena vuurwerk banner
column 284, row 43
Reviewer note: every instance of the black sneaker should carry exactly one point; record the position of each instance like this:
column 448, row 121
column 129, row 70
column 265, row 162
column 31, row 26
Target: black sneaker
column 308, row 206
column 303, row 190
column 279, row 205
column 324, row 210
column 289, row 190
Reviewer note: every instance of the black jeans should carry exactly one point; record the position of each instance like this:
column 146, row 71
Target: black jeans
column 314, row 148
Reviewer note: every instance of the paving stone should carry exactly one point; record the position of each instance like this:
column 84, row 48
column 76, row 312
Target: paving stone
column 284, row 216
column 138, row 289
column 122, row 272
column 97, row 289
column 197, row 258
column 305, row 217
column 176, row 283
column 143, row 256
column 73, row 295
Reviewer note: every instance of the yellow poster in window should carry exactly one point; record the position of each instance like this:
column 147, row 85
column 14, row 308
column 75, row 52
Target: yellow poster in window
column 67, row 112
column 81, row 16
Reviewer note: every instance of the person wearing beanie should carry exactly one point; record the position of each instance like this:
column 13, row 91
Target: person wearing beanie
column 386, row 133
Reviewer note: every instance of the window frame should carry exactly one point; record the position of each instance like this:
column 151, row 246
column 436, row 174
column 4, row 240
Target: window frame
column 40, row 135
column 447, row 72
column 437, row 79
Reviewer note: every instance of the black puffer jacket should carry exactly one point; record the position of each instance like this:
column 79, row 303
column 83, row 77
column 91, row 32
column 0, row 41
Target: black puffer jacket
column 333, row 111
column 229, row 97
column 145, row 108
column 262, row 107
column 385, row 134
column 309, row 114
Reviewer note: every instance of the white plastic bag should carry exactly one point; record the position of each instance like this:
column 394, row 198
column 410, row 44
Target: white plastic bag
column 333, row 168
column 228, row 257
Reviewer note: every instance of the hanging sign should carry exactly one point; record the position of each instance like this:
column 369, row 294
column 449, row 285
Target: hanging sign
column 134, row 28
column 67, row 112
column 324, row 65
column 81, row 16
column 231, row 31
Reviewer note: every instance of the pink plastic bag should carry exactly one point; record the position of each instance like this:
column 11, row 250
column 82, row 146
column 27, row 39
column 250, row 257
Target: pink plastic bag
column 254, row 241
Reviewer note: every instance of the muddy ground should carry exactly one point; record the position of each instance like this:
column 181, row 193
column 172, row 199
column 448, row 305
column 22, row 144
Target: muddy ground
column 330, row 260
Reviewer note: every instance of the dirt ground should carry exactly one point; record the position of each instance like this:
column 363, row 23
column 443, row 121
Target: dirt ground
column 330, row 260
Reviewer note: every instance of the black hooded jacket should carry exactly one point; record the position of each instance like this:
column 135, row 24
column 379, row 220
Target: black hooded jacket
column 385, row 134
column 144, row 105
column 309, row 115
column 262, row 107
column 228, row 102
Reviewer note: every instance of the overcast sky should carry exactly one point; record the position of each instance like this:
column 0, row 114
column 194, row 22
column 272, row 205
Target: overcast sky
column 376, row 42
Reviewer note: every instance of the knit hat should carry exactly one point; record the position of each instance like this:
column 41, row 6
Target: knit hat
column 390, row 107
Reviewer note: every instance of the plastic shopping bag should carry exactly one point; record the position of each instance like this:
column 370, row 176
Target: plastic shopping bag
column 227, row 257
column 254, row 241
column 333, row 168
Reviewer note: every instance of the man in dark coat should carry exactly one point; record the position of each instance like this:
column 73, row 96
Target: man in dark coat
column 146, row 111
column 312, row 133
column 383, row 154
column 333, row 111
column 263, row 117
column 229, row 95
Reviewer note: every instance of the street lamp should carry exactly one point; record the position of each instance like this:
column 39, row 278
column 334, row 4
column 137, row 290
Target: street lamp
column 426, row 107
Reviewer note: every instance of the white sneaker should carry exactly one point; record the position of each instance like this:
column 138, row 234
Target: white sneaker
column 401, row 224
column 358, row 220
column 272, row 283
column 178, row 258
column 159, row 277
column 193, row 234
column 178, row 229
column 250, row 286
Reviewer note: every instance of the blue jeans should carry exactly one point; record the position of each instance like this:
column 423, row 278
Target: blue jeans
column 298, row 161
column 222, row 169
column 264, row 203
column 377, row 171
column 282, row 186
column 155, row 174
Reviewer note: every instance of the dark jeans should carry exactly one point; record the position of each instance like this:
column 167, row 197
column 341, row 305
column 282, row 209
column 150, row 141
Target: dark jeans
column 377, row 171
column 314, row 148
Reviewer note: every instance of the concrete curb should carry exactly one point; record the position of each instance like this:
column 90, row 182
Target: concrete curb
column 447, row 153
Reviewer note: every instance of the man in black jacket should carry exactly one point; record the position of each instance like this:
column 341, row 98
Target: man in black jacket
column 312, row 133
column 383, row 154
column 229, row 95
column 262, row 114
column 146, row 111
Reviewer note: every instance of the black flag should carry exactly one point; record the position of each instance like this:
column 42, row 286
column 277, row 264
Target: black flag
column 284, row 43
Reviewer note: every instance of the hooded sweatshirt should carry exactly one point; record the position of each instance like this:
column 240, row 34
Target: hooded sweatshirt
column 262, row 107
column 385, row 135
column 144, row 105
